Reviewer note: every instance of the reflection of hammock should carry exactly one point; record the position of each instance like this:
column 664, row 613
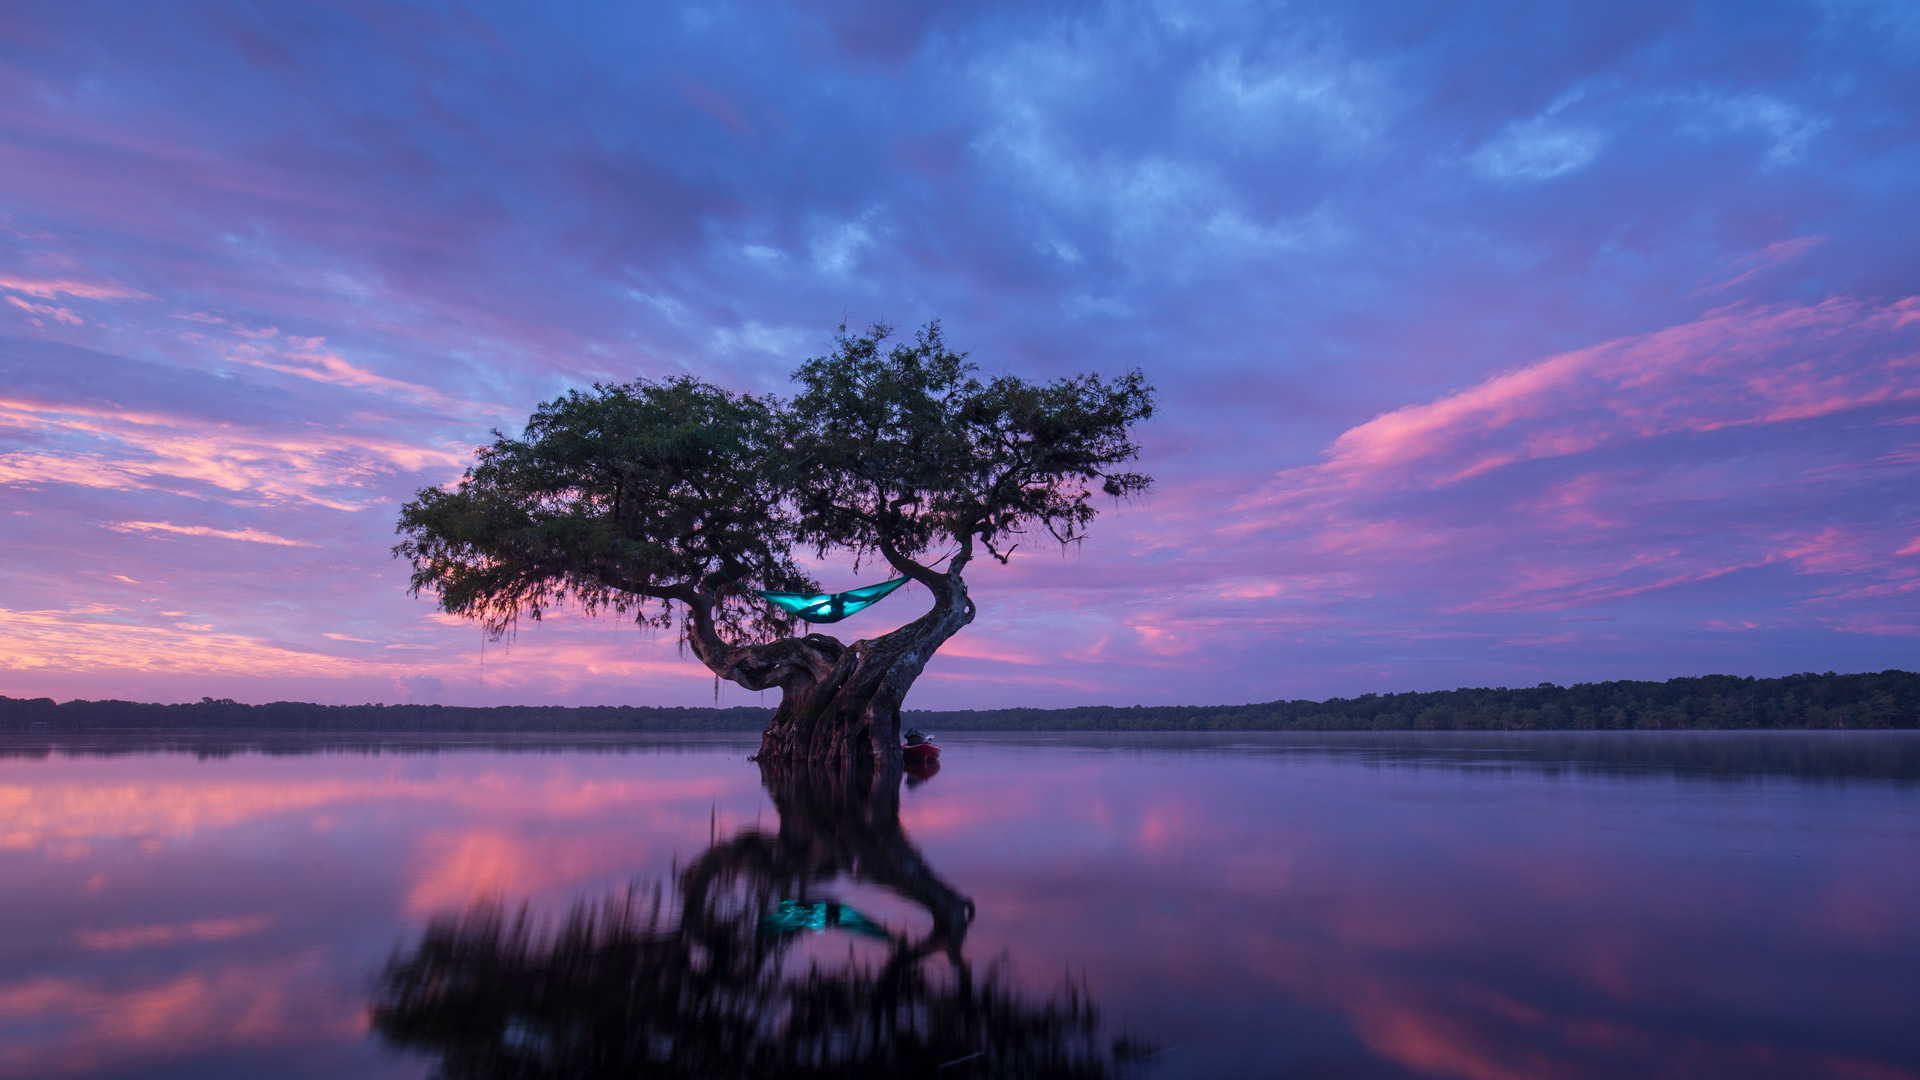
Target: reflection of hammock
column 831, row 607
column 793, row 916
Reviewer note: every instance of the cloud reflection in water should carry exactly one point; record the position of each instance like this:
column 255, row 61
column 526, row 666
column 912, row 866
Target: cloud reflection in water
column 1440, row 905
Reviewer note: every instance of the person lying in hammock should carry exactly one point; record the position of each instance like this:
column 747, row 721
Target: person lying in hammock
column 831, row 607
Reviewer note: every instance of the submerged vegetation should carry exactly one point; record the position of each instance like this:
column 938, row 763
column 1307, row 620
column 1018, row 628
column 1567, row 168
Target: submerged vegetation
column 1873, row 700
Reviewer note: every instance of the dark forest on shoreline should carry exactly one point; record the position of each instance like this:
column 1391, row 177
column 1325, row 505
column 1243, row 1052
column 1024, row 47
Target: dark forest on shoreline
column 1873, row 700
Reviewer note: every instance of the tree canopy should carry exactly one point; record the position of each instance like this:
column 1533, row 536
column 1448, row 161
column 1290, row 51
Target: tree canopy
column 637, row 492
column 904, row 449
column 639, row 496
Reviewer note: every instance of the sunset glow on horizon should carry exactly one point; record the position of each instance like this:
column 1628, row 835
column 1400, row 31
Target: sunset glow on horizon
column 1494, row 345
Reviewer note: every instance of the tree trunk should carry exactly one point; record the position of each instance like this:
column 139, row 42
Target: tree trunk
column 839, row 703
column 853, row 712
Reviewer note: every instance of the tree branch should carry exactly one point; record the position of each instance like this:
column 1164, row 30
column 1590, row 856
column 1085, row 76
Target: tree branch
column 940, row 583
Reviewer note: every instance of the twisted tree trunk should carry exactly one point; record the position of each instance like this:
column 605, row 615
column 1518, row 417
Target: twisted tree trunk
column 840, row 703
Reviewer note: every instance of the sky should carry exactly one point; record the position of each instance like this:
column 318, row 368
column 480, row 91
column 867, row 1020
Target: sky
column 1496, row 343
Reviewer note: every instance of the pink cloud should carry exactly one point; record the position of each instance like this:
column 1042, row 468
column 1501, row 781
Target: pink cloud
column 134, row 449
column 139, row 644
column 51, row 311
column 309, row 361
column 1746, row 267
column 81, row 290
column 1741, row 365
column 1833, row 550
column 253, row 536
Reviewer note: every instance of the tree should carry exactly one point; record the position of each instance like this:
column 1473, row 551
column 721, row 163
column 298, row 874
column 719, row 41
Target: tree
column 675, row 500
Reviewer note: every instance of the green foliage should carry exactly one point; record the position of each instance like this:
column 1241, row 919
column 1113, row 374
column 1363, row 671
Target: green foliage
column 640, row 496
column 905, row 446
column 632, row 493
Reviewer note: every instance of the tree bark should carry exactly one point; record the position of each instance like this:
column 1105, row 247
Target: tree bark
column 840, row 703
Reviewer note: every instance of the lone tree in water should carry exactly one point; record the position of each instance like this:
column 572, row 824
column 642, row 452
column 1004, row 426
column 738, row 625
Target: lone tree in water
column 676, row 501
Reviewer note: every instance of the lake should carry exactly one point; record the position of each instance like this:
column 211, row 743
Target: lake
column 1379, row 905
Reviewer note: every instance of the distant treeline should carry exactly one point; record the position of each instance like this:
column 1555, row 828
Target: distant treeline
column 224, row 714
column 1887, row 699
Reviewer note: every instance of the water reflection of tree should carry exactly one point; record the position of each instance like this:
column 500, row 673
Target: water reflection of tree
column 641, row 985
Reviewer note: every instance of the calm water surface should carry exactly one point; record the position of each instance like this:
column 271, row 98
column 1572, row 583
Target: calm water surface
column 1398, row 906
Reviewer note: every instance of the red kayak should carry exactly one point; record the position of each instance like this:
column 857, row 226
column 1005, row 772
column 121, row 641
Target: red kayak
column 920, row 753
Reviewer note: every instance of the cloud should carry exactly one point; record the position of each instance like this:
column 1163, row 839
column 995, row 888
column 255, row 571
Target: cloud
column 1326, row 90
column 1746, row 267
column 1744, row 365
column 51, row 311
column 785, row 342
column 309, row 361
column 79, row 290
column 1790, row 130
column 129, row 449
column 836, row 249
column 1643, row 465
column 1538, row 149
column 130, row 641
column 419, row 687
column 252, row 536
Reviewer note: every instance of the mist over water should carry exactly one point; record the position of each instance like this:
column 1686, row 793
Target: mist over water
column 1445, row 905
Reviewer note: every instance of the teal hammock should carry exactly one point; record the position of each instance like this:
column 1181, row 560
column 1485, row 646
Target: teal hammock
column 831, row 607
